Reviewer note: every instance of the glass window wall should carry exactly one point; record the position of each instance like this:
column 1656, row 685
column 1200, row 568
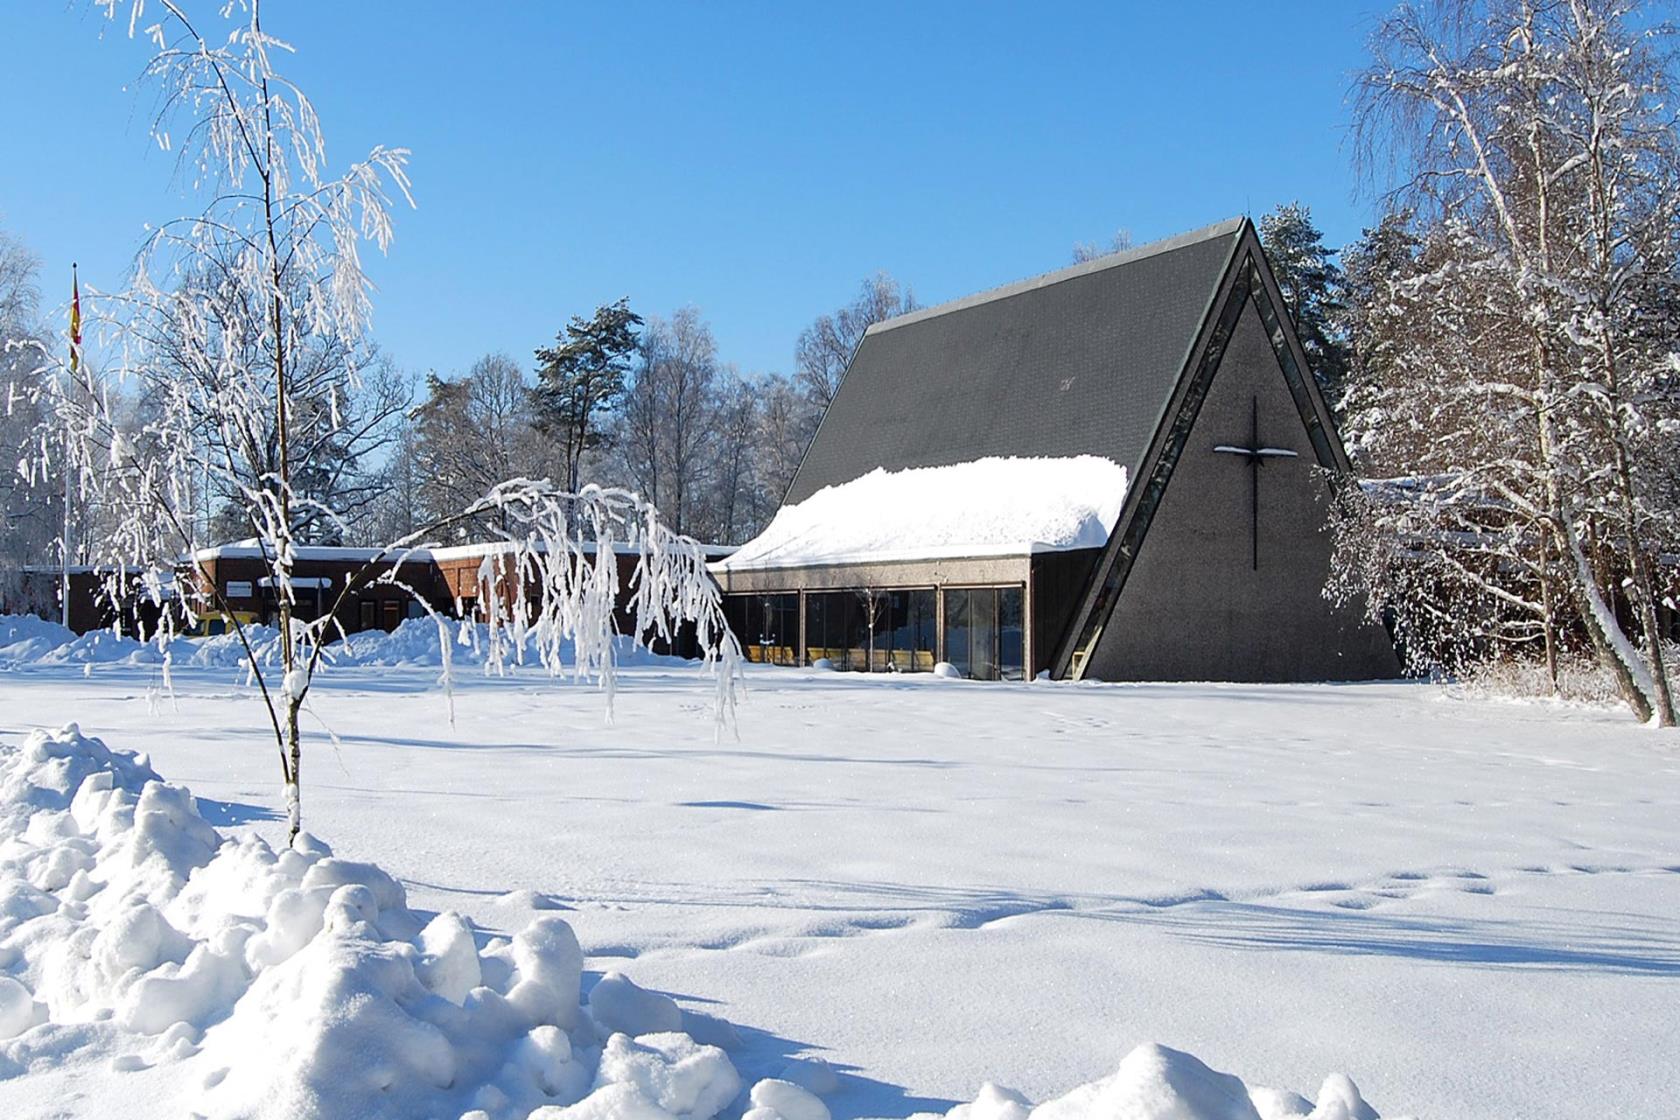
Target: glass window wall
column 767, row 626
column 872, row 631
column 984, row 632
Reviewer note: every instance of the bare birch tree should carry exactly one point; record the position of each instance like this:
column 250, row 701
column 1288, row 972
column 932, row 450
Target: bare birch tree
column 1538, row 372
column 266, row 273
column 825, row 347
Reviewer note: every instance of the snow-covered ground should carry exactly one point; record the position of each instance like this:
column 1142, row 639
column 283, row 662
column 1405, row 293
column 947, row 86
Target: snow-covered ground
column 1467, row 906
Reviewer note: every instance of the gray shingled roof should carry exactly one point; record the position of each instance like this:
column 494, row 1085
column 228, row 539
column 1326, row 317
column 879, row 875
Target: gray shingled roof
column 1080, row 361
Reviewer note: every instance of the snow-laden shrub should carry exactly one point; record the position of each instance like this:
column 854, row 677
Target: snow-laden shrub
column 1581, row 678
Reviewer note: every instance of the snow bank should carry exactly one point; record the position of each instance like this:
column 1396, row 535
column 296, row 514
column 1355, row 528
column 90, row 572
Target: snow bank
column 990, row 507
column 26, row 640
column 298, row 984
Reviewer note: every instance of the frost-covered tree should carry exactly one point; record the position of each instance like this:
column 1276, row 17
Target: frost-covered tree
column 475, row 431
column 30, row 498
column 825, row 347
column 347, row 407
column 665, row 427
column 1090, row 251
column 1530, row 395
column 737, row 508
column 227, row 308
column 1376, row 337
column 787, row 422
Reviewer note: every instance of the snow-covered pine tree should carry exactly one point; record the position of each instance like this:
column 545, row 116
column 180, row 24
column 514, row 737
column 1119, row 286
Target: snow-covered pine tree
column 214, row 333
column 1533, row 381
column 1311, row 282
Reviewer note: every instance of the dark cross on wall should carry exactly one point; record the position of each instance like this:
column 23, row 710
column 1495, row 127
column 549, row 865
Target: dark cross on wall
column 1256, row 455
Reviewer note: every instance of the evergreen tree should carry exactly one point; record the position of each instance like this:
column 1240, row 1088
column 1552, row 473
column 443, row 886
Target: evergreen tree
column 1377, row 338
column 581, row 376
column 1312, row 288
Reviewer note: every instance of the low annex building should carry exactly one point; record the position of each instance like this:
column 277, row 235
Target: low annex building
column 385, row 587
column 454, row 580
column 1118, row 471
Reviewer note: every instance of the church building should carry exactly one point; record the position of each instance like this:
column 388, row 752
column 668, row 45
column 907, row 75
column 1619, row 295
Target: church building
column 1120, row 471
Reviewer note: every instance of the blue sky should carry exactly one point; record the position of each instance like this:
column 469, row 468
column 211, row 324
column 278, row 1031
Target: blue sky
column 755, row 160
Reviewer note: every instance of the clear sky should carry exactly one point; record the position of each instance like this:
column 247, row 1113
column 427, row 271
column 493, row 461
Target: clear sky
column 755, row 160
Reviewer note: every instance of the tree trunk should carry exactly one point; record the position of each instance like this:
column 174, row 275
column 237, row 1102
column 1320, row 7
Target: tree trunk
column 1615, row 652
column 1644, row 601
column 1640, row 596
column 294, row 786
column 1550, row 608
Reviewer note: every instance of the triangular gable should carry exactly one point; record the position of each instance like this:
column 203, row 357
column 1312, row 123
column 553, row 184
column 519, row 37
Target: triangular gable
column 1247, row 278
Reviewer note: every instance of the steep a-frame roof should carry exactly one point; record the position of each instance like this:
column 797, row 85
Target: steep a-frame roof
column 1083, row 361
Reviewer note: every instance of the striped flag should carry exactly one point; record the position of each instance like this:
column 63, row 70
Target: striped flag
column 75, row 322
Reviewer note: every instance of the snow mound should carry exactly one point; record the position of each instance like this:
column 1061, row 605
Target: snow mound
column 1157, row 1083
column 989, row 507
column 27, row 640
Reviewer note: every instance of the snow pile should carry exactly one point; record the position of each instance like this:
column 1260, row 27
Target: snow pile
column 27, row 640
column 292, row 983
column 989, row 507
column 298, row 984
column 1155, row 1083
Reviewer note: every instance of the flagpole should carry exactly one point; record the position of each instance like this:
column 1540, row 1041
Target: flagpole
column 75, row 361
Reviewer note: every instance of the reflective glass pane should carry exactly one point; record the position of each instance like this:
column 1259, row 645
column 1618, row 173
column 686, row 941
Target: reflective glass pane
column 957, row 631
column 860, row 613
column 816, row 626
column 924, row 622
column 982, row 622
column 1011, row 638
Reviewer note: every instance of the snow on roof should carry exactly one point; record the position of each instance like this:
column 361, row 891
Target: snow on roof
column 489, row 548
column 252, row 549
column 988, row 507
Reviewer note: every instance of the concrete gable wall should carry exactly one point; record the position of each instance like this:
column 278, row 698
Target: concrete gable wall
column 1194, row 607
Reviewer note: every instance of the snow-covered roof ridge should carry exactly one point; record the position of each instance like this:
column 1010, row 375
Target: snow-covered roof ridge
column 996, row 506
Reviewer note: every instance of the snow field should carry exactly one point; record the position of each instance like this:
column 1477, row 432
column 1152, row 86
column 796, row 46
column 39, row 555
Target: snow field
column 299, row 984
column 930, row 884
